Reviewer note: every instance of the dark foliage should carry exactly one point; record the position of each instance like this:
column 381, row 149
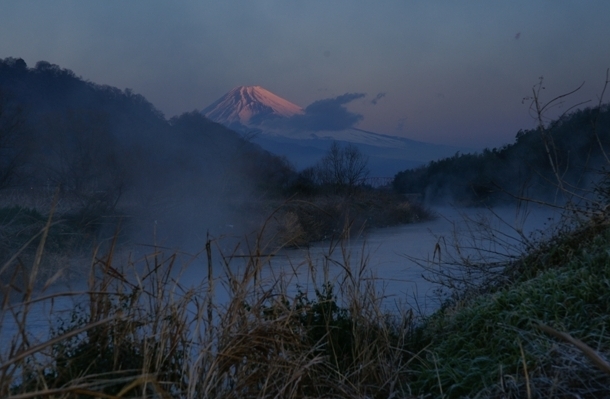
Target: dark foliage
column 14, row 141
column 108, row 149
column 329, row 327
column 112, row 354
column 579, row 142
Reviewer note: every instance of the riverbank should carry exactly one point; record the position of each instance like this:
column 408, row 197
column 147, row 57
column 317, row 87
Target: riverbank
column 303, row 220
column 144, row 326
column 537, row 329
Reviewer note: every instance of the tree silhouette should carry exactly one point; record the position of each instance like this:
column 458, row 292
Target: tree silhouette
column 342, row 167
column 13, row 143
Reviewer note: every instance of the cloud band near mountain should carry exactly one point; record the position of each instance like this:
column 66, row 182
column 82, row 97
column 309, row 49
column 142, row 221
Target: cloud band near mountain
column 328, row 114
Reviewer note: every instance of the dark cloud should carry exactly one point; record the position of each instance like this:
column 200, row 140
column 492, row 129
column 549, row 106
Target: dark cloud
column 328, row 114
column 377, row 98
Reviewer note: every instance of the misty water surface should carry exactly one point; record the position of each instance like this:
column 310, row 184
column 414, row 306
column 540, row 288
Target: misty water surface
column 396, row 259
column 393, row 256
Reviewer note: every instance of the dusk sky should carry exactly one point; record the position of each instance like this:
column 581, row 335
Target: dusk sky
column 436, row 71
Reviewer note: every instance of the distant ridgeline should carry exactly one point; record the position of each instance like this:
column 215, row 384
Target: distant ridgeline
column 578, row 144
column 107, row 146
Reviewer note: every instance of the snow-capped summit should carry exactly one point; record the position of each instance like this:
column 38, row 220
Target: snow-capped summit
column 250, row 106
column 266, row 119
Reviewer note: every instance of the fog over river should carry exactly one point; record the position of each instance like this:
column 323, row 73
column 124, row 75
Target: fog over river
column 399, row 258
column 394, row 259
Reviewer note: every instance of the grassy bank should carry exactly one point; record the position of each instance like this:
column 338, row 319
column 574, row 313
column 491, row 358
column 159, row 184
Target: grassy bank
column 306, row 219
column 516, row 339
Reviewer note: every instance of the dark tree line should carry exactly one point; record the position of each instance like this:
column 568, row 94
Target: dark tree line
column 107, row 148
column 579, row 142
column 13, row 141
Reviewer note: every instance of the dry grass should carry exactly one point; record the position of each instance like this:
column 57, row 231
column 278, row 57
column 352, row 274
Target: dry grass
column 139, row 330
column 534, row 326
column 142, row 326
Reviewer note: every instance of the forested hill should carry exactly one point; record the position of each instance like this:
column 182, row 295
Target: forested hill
column 109, row 148
column 577, row 142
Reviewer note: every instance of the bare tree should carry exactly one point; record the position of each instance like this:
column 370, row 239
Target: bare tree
column 342, row 167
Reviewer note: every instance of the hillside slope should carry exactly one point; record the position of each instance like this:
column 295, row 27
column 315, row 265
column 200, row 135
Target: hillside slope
column 107, row 150
column 304, row 135
column 578, row 144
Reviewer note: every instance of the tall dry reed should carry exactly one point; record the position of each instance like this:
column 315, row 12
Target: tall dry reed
column 141, row 329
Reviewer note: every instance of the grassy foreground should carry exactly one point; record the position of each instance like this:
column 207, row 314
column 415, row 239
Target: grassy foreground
column 140, row 330
column 544, row 333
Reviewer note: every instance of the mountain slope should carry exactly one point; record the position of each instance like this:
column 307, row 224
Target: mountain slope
column 249, row 106
column 268, row 120
column 109, row 150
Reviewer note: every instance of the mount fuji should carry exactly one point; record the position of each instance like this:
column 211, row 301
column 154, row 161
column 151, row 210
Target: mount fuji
column 250, row 106
column 275, row 124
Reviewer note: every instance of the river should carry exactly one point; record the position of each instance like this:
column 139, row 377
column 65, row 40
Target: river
column 401, row 260
column 396, row 260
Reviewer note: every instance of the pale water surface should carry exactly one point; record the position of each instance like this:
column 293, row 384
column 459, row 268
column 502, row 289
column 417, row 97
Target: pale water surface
column 394, row 257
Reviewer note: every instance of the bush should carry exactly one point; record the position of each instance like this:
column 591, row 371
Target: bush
column 481, row 347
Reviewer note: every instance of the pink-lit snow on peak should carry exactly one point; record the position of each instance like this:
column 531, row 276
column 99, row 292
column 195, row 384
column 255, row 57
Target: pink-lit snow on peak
column 245, row 103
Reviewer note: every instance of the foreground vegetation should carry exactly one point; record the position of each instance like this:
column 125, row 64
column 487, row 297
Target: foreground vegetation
column 140, row 327
column 138, row 330
column 519, row 338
